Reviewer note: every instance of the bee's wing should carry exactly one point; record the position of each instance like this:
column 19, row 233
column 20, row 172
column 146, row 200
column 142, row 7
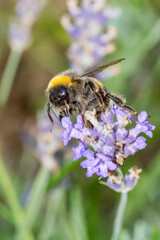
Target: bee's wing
column 99, row 69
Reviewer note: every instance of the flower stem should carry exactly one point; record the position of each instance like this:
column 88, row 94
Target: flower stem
column 8, row 76
column 119, row 216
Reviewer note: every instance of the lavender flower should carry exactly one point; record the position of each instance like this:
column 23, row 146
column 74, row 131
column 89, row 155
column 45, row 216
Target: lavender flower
column 121, row 184
column 88, row 27
column 47, row 142
column 19, row 36
column 26, row 13
column 110, row 140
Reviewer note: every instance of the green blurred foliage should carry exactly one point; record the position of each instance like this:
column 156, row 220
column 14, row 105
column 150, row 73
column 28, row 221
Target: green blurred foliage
column 85, row 209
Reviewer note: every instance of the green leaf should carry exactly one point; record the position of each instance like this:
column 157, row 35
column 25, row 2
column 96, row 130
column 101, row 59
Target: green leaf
column 77, row 214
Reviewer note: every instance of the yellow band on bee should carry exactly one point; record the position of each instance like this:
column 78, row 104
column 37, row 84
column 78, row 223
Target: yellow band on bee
column 61, row 79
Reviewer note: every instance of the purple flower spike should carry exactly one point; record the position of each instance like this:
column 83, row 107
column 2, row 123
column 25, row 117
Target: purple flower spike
column 26, row 13
column 66, row 135
column 119, row 183
column 79, row 151
column 112, row 143
column 140, row 143
column 88, row 26
column 142, row 116
column 48, row 144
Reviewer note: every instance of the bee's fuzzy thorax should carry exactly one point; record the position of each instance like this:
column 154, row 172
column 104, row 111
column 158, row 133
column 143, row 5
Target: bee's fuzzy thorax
column 60, row 79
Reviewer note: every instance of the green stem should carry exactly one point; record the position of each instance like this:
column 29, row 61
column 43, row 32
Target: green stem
column 38, row 190
column 36, row 196
column 8, row 76
column 11, row 197
column 10, row 194
column 119, row 216
column 34, row 203
column 6, row 214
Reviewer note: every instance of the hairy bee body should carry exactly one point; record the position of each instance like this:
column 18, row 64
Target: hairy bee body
column 69, row 93
column 78, row 96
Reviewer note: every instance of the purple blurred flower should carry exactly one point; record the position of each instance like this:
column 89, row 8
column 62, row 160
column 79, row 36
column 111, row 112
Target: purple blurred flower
column 47, row 143
column 119, row 183
column 110, row 140
column 48, row 146
column 26, row 13
column 19, row 36
column 88, row 27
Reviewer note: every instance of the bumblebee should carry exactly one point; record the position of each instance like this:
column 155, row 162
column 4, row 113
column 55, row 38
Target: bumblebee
column 69, row 92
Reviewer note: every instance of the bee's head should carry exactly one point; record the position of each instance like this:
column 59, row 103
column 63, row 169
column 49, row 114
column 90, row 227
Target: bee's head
column 58, row 96
column 58, row 88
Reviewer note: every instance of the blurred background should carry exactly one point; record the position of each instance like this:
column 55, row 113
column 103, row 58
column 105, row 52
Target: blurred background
column 33, row 161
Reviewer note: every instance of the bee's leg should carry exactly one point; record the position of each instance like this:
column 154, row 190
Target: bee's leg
column 121, row 103
column 80, row 111
column 129, row 109
column 60, row 116
column 65, row 112
column 97, row 95
column 85, row 122
column 78, row 105
column 49, row 115
column 62, row 113
column 67, row 109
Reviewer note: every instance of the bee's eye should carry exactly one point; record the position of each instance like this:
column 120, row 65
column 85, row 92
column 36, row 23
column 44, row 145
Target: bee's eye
column 62, row 93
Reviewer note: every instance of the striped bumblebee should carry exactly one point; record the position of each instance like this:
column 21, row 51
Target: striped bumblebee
column 69, row 92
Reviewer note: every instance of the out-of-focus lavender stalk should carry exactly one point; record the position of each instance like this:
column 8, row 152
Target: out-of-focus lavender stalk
column 50, row 149
column 89, row 27
column 20, row 29
column 19, row 38
column 47, row 143
column 8, row 77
